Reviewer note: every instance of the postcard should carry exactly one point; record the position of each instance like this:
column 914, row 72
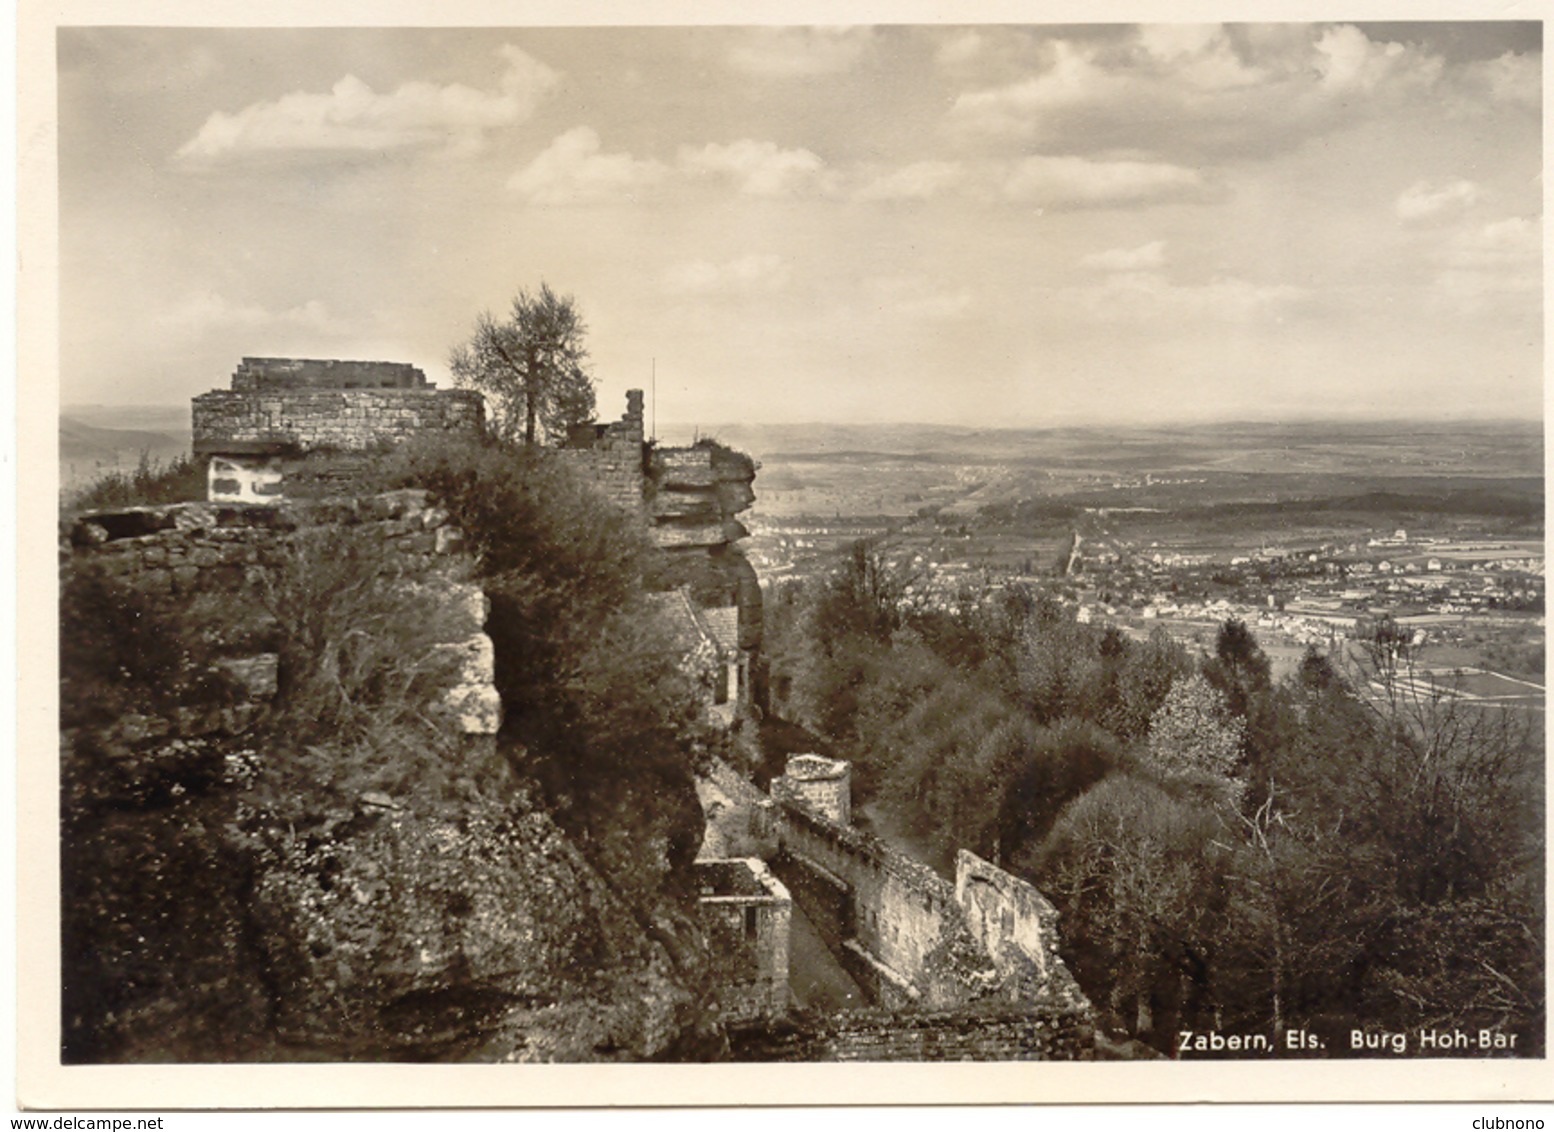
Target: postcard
column 679, row 555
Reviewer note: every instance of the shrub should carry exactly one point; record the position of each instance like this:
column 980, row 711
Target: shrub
column 180, row 480
column 596, row 705
column 359, row 681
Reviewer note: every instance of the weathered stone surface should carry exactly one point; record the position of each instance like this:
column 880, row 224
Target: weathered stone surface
column 238, row 421
column 226, row 552
column 256, row 676
column 490, row 938
column 271, row 374
column 689, row 534
column 475, row 708
column 470, row 661
column 685, row 468
column 685, row 504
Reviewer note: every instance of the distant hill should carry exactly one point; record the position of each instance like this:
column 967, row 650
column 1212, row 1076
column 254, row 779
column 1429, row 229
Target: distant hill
column 1368, row 448
column 97, row 439
column 78, row 441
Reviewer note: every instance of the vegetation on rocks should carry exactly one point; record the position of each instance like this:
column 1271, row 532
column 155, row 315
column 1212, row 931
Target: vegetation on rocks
column 179, row 480
column 334, row 872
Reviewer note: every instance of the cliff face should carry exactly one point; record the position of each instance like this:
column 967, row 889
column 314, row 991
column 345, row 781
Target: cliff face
column 236, row 891
column 695, row 497
column 483, row 936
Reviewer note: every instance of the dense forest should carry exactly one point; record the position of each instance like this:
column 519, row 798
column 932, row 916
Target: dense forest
column 1229, row 852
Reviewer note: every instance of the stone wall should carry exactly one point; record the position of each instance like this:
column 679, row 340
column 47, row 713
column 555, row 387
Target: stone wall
column 910, row 943
column 615, row 470
column 906, row 935
column 740, row 820
column 240, row 422
column 1043, row 1034
column 1012, row 921
column 255, row 374
column 822, row 786
column 689, row 498
column 195, row 547
column 613, row 456
column 745, row 912
column 190, row 550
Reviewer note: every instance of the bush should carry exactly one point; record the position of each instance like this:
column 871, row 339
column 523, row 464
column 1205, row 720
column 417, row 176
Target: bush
column 359, row 682
column 125, row 651
column 180, row 480
column 596, row 704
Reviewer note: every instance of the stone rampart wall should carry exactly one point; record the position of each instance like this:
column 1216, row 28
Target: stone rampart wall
column 747, row 926
column 1010, row 918
column 825, row 898
column 615, row 469
column 304, row 419
column 904, row 915
column 187, row 548
column 325, row 373
column 741, row 819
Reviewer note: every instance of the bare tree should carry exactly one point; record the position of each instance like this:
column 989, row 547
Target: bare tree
column 531, row 367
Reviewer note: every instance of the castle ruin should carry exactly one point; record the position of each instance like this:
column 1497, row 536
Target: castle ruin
column 969, row 969
column 690, row 498
column 281, row 409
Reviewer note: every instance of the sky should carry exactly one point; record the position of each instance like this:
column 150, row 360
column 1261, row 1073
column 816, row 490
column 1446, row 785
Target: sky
column 979, row 225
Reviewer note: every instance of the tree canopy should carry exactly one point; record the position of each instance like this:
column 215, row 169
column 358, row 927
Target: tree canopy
column 1226, row 849
column 532, row 366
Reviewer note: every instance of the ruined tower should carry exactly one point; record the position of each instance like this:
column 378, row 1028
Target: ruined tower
column 280, row 409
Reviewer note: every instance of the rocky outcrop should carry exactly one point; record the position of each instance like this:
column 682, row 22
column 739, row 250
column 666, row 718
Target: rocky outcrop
column 695, row 497
column 697, row 493
column 485, row 936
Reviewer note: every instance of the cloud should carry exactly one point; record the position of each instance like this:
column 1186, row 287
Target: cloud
column 1076, row 182
column 1511, row 80
column 758, row 168
column 1427, row 201
column 791, row 53
column 1070, row 78
column 209, row 311
column 573, row 170
column 1350, row 62
column 1512, row 242
column 1494, row 267
column 918, row 181
column 1192, row 93
column 1146, row 257
column 1171, row 42
column 754, row 273
column 354, row 117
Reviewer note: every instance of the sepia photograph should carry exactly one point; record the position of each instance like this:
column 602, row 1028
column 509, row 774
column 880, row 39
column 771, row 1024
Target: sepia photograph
column 924, row 543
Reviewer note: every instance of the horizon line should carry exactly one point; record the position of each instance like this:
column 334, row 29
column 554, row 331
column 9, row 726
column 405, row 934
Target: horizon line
column 1084, row 423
